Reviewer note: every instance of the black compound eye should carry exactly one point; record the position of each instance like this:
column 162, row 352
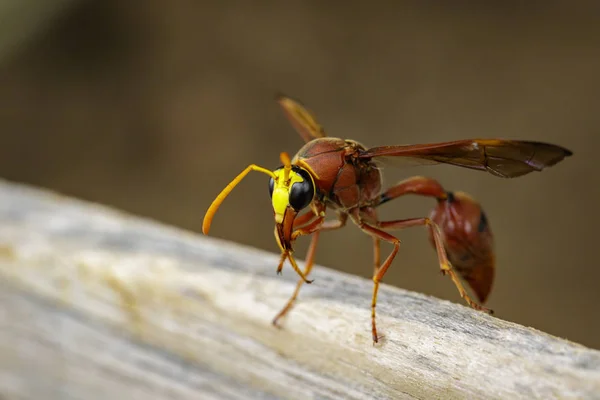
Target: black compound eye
column 302, row 193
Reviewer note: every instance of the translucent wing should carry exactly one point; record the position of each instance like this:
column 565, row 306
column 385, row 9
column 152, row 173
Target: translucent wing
column 301, row 119
column 503, row 158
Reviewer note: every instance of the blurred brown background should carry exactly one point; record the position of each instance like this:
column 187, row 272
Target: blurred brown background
column 153, row 107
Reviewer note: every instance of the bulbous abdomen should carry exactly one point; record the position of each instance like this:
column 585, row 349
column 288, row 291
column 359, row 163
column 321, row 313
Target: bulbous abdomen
column 468, row 241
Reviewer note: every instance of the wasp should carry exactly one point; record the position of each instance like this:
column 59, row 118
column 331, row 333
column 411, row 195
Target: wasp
column 344, row 177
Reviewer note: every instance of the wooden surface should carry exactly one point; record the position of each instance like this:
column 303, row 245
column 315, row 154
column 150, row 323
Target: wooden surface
column 95, row 304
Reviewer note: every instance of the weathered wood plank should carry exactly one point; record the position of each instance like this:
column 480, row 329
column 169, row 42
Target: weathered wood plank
column 96, row 304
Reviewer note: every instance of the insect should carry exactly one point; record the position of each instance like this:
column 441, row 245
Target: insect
column 343, row 176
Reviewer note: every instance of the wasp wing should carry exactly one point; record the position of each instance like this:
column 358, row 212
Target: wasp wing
column 503, row 158
column 301, row 119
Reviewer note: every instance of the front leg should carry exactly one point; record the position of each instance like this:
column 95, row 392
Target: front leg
column 303, row 223
column 310, row 258
column 304, row 219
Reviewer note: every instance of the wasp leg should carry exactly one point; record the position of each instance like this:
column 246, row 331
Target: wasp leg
column 310, row 222
column 310, row 257
column 371, row 214
column 304, row 219
column 301, row 220
column 287, row 254
column 308, row 267
column 428, row 187
column 377, row 234
column 445, row 265
column 418, row 185
column 376, row 254
column 312, row 227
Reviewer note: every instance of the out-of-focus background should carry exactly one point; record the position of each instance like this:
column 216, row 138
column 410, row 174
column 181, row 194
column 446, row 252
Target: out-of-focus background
column 153, row 108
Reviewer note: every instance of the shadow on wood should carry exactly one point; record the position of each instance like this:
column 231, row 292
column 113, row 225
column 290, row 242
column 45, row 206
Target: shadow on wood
column 97, row 304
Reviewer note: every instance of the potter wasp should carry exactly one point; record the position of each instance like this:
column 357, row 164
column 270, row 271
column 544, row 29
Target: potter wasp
column 343, row 176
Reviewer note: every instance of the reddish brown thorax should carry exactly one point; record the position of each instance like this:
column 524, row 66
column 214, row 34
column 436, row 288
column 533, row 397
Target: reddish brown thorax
column 468, row 240
column 341, row 177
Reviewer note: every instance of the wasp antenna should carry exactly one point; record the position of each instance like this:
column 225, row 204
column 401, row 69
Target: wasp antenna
column 287, row 165
column 210, row 213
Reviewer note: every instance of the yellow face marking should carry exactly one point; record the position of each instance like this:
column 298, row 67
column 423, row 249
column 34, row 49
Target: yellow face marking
column 281, row 191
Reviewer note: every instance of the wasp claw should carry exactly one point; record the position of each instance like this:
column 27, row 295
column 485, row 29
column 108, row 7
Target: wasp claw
column 276, row 324
column 376, row 339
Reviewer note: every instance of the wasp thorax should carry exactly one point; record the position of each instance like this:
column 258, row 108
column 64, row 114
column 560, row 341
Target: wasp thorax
column 297, row 191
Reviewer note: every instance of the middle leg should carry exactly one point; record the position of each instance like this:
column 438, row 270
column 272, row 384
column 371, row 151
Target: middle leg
column 377, row 235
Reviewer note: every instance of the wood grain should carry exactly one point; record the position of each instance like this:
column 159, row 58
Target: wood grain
column 96, row 304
